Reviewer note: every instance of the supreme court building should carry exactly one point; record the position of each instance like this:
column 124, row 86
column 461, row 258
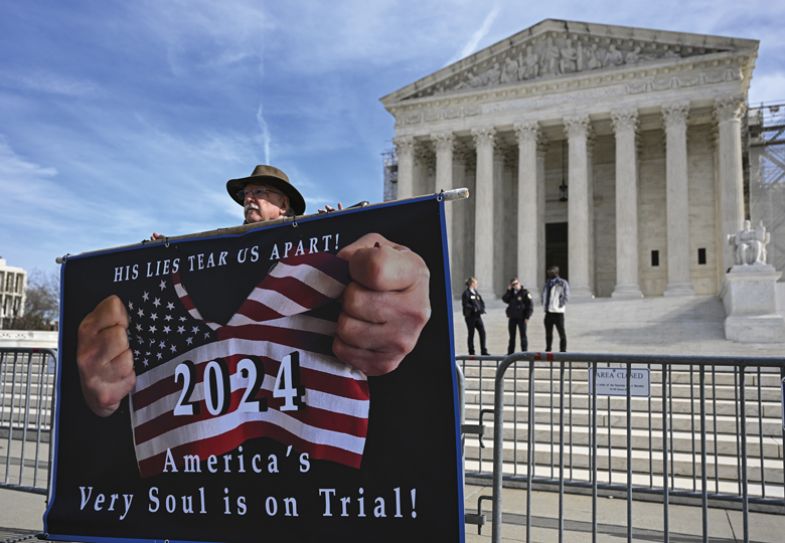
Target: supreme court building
column 614, row 152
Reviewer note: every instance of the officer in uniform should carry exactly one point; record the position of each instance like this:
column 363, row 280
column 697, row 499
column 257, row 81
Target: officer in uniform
column 473, row 308
column 519, row 309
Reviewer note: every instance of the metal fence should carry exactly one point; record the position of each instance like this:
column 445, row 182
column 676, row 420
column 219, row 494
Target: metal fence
column 705, row 431
column 27, row 380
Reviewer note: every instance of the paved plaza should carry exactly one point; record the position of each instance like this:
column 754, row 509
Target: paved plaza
column 691, row 325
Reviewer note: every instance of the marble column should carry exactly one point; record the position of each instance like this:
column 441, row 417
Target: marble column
column 542, row 150
column 483, row 211
column 579, row 243
column 677, row 211
column 444, row 143
column 729, row 113
column 528, row 202
column 404, row 149
column 625, row 123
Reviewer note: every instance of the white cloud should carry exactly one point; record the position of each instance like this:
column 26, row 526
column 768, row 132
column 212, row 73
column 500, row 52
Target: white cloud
column 49, row 82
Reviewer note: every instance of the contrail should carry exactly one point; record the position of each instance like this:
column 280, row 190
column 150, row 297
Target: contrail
column 265, row 133
column 478, row 35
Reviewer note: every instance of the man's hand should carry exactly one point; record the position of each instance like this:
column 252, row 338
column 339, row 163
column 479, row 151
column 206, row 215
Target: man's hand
column 106, row 364
column 385, row 307
column 328, row 208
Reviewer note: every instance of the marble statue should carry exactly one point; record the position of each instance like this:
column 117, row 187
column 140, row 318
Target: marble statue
column 750, row 244
column 614, row 57
column 569, row 58
column 530, row 64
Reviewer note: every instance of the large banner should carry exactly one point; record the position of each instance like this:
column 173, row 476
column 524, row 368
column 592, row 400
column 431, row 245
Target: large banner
column 291, row 382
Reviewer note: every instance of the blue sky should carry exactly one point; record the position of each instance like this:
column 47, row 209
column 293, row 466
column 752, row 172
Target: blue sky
column 119, row 118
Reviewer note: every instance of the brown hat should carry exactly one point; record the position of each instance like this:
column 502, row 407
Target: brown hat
column 268, row 175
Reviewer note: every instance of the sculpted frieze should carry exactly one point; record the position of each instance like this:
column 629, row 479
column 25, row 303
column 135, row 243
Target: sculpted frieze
column 556, row 54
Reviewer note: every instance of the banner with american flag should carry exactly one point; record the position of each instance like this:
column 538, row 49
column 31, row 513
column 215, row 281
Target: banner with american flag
column 247, row 416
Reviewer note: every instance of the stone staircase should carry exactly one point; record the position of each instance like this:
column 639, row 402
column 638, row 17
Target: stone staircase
column 674, row 326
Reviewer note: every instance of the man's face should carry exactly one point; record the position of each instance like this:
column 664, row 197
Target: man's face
column 263, row 203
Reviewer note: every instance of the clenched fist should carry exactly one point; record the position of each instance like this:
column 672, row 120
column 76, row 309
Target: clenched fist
column 385, row 306
column 105, row 361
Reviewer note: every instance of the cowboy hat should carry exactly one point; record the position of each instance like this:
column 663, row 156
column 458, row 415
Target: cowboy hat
column 275, row 178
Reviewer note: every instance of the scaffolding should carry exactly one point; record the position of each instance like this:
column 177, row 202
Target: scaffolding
column 766, row 141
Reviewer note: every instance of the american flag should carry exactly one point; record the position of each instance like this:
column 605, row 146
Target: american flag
column 289, row 318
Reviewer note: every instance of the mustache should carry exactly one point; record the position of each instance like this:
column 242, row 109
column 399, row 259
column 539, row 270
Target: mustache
column 251, row 206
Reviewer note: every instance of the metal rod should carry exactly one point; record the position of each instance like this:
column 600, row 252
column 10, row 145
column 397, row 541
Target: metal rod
column 760, row 438
column 550, row 413
column 665, row 486
column 745, row 508
column 704, row 490
column 11, row 418
column 26, row 414
column 593, row 452
column 610, row 432
column 714, row 426
column 629, row 456
column 651, row 460
column 692, row 425
column 446, row 195
column 532, row 439
column 736, row 413
column 561, row 452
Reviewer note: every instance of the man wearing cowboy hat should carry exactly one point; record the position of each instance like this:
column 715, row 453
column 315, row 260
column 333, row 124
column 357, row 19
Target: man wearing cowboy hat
column 266, row 194
column 384, row 307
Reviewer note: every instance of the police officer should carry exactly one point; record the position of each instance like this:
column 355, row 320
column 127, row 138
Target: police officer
column 473, row 308
column 519, row 309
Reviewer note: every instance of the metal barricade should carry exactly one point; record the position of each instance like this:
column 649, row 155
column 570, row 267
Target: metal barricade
column 706, row 431
column 27, row 381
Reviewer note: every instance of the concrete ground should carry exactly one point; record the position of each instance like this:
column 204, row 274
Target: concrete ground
column 684, row 522
column 690, row 325
column 21, row 514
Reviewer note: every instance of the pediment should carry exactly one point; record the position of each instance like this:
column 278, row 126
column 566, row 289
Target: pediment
column 560, row 49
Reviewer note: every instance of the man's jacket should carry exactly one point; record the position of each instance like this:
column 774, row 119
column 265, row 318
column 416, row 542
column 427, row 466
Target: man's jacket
column 519, row 304
column 473, row 306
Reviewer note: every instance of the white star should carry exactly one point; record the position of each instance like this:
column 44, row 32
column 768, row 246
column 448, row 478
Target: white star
column 181, row 329
column 140, row 313
column 207, row 334
column 154, row 316
column 157, row 302
column 140, row 339
column 146, row 296
column 138, row 327
column 173, row 348
column 131, row 306
column 162, row 284
column 146, row 362
column 167, row 318
column 189, row 340
column 159, row 356
column 170, row 306
column 153, row 328
column 182, row 319
column 162, row 345
column 195, row 329
column 136, row 352
column 167, row 329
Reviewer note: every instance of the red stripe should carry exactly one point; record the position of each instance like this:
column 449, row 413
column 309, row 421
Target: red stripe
column 237, row 436
column 335, row 267
column 310, row 378
column 258, row 312
column 301, row 340
column 313, row 416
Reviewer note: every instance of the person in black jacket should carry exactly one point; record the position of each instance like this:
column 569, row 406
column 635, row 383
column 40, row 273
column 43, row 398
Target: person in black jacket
column 473, row 308
column 519, row 309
